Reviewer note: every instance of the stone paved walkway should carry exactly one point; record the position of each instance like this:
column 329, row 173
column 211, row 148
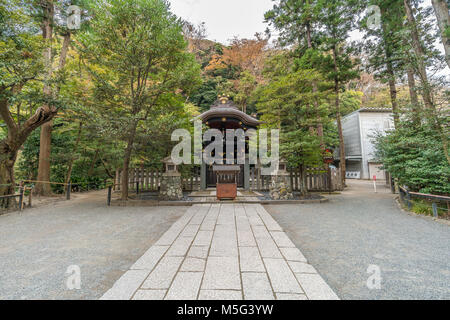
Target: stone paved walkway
column 219, row 252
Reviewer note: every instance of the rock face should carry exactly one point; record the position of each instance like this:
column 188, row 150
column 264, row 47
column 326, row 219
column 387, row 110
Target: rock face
column 170, row 188
column 280, row 188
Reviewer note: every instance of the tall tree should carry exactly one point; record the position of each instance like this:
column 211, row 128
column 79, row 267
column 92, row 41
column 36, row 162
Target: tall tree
column 21, row 69
column 298, row 24
column 420, row 62
column 384, row 46
column 337, row 20
column 246, row 85
column 286, row 103
column 138, row 58
column 49, row 27
column 441, row 9
column 247, row 54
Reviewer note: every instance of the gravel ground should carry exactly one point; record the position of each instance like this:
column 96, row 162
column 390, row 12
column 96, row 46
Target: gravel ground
column 39, row 244
column 359, row 228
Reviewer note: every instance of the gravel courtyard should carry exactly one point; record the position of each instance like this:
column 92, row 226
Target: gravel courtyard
column 359, row 228
column 340, row 239
column 39, row 244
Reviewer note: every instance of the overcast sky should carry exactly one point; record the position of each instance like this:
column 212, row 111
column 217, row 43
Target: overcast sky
column 225, row 19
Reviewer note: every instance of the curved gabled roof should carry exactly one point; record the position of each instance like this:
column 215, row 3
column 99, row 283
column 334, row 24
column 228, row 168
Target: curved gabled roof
column 225, row 108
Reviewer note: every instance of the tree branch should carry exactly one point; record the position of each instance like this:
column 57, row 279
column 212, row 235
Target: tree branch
column 7, row 117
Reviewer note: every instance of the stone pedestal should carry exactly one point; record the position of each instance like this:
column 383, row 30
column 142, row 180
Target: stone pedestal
column 171, row 188
column 280, row 188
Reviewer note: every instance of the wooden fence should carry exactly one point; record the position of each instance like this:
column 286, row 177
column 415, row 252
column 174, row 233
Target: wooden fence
column 147, row 180
column 317, row 180
column 433, row 200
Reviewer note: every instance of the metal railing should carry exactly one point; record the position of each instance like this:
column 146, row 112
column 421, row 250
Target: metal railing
column 21, row 196
column 406, row 197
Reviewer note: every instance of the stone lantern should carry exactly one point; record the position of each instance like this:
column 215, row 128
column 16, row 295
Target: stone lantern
column 171, row 167
column 280, row 188
column 170, row 188
column 282, row 168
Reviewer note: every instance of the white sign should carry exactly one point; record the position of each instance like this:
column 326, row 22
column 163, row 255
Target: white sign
column 353, row 174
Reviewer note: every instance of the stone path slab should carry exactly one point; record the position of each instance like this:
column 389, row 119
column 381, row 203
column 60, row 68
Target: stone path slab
column 222, row 252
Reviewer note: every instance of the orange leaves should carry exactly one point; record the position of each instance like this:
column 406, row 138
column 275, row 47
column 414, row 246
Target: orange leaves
column 244, row 54
column 217, row 62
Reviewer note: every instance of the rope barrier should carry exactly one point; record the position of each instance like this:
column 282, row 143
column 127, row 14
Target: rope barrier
column 36, row 181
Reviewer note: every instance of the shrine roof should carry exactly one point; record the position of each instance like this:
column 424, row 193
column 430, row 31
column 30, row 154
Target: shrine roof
column 224, row 108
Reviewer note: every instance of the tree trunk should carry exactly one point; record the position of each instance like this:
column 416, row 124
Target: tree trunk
column 7, row 182
column 315, row 89
column 390, row 71
column 413, row 96
column 46, row 131
column 94, row 160
column 426, row 91
column 443, row 20
column 16, row 137
column 420, row 54
column 64, row 50
column 72, row 159
column 126, row 161
column 338, row 119
column 106, row 169
column 393, row 94
column 43, row 188
column 304, row 182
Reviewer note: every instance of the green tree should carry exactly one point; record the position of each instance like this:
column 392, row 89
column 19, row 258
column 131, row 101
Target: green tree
column 384, row 45
column 246, row 85
column 413, row 155
column 298, row 22
column 422, row 57
column 441, row 9
column 137, row 58
column 52, row 16
column 205, row 95
column 337, row 20
column 23, row 106
column 287, row 103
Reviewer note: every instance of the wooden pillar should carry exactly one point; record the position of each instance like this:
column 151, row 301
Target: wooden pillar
column 247, row 174
column 258, row 181
column 117, row 179
column 120, row 179
column 203, row 176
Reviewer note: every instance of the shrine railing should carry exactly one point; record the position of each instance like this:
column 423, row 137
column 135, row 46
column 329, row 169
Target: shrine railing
column 316, row 180
column 148, row 179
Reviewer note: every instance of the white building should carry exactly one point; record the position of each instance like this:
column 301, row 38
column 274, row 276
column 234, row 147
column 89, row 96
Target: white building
column 359, row 127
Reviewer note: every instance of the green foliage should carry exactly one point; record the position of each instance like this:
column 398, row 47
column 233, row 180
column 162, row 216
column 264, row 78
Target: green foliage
column 20, row 50
column 351, row 101
column 142, row 73
column 130, row 81
column 293, row 19
column 247, row 84
column 88, row 170
column 288, row 102
column 385, row 45
column 413, row 155
column 205, row 95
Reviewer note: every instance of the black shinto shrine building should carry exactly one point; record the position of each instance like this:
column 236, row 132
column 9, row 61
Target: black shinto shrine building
column 223, row 115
